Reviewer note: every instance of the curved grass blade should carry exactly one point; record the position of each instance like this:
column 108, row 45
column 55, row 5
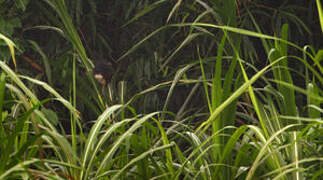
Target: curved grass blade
column 146, row 10
column 55, row 93
column 197, row 150
column 48, row 70
column 2, row 91
column 264, row 149
column 225, row 28
column 187, row 40
column 319, row 9
column 104, row 137
column 18, row 168
column 174, row 9
column 93, row 135
column 17, row 80
column 117, row 143
column 178, row 75
column 142, row 156
column 168, row 152
column 316, row 97
column 11, row 46
column 62, row 145
column 234, row 96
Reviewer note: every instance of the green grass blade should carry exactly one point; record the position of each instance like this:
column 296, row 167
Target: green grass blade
column 56, row 94
column 206, row 89
column 319, row 9
column 174, row 9
column 217, row 82
column 18, row 168
column 118, row 142
column 146, row 10
column 234, row 96
column 186, row 41
column 102, row 140
column 230, row 145
column 142, row 156
column 318, row 58
column 177, row 77
column 264, row 149
column 197, row 149
column 254, row 100
column 288, row 166
column 314, row 96
column 93, row 135
column 313, row 91
column 64, row 146
column 48, row 70
column 11, row 46
column 12, row 75
column 2, row 91
column 73, row 117
column 72, row 35
column 167, row 151
column 61, row 9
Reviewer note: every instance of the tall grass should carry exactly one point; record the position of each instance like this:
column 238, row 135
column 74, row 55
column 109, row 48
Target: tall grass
column 236, row 120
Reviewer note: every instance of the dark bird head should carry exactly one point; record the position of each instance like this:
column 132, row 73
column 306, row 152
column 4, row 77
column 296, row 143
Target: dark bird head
column 103, row 72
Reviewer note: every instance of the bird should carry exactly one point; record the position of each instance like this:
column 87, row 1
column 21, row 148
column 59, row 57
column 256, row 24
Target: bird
column 103, row 72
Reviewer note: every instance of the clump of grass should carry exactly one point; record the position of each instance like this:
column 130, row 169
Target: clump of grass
column 236, row 121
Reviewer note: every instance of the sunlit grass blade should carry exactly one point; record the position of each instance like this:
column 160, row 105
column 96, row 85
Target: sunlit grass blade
column 313, row 91
column 177, row 77
column 18, row 168
column 12, row 75
column 61, row 9
column 206, row 89
column 317, row 97
column 168, row 152
column 71, row 34
column 202, row 158
column 11, row 46
column 253, row 98
column 93, row 135
column 318, row 58
column 64, row 147
column 118, row 142
column 197, row 150
column 2, row 91
column 288, row 166
column 174, row 9
column 56, row 94
column 264, row 149
column 320, row 10
column 234, row 95
column 101, row 141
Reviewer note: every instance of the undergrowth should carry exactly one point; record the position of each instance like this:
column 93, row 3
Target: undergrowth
column 201, row 97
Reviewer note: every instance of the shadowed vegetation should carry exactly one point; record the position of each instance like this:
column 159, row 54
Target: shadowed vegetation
column 205, row 89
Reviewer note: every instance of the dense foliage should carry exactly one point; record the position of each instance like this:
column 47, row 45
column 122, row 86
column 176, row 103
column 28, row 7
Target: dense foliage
column 196, row 89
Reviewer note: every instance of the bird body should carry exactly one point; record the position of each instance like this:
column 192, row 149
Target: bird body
column 103, row 71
